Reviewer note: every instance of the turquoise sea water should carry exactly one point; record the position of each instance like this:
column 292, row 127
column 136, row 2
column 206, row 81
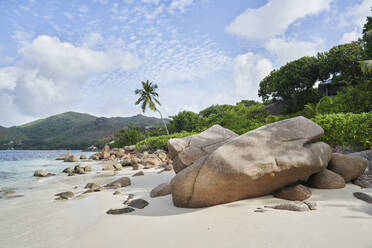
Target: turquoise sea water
column 18, row 166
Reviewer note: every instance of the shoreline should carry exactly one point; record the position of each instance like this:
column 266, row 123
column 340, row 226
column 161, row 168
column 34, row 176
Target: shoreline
column 37, row 220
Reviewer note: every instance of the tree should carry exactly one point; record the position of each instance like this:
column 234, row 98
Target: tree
column 292, row 83
column 128, row 136
column 367, row 37
column 148, row 97
column 341, row 63
column 184, row 121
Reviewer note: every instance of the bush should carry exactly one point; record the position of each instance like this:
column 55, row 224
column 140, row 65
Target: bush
column 160, row 142
column 346, row 129
column 129, row 136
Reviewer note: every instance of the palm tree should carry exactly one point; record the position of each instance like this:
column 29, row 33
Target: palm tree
column 314, row 109
column 148, row 97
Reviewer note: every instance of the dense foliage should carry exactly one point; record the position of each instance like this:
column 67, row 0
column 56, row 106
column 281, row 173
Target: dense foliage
column 160, row 142
column 347, row 129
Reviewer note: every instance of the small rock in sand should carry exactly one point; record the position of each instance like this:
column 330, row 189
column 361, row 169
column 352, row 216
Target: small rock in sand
column 92, row 186
column 75, row 187
column 9, row 192
column 65, row 195
column 161, row 190
column 138, row 203
column 67, row 170
column 364, row 181
column 87, row 168
column 83, row 156
column 292, row 206
column 363, row 196
column 138, row 167
column 14, row 196
column 116, row 193
column 140, row 173
column 121, row 182
column 128, row 200
column 120, row 211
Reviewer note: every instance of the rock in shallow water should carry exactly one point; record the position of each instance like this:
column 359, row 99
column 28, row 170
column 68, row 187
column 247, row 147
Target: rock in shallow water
column 254, row 164
column 120, row 211
column 71, row 158
column 41, row 173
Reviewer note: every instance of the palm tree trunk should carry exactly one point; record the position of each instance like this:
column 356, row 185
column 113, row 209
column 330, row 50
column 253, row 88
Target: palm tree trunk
column 165, row 125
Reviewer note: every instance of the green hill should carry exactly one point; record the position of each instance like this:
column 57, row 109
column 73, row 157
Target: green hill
column 68, row 130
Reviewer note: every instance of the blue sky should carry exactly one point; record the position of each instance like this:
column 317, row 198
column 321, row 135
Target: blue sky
column 89, row 56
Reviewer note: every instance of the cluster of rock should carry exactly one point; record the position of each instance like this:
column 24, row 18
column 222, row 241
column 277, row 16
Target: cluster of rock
column 218, row 166
column 77, row 170
column 128, row 156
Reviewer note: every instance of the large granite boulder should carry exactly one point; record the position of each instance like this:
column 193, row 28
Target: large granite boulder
column 254, row 164
column 187, row 150
column 367, row 154
column 349, row 167
column 326, row 179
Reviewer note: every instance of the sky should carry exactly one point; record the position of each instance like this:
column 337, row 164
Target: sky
column 89, row 56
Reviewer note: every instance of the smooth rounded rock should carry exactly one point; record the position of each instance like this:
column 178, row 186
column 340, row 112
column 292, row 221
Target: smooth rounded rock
column 349, row 167
column 161, row 190
column 41, row 173
column 326, row 179
column 297, row 192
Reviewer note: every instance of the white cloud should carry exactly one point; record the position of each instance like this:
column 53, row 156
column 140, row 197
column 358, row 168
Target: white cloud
column 349, row 37
column 274, row 18
column 8, row 78
column 249, row 70
column 285, row 51
column 6, row 59
column 50, row 73
column 179, row 5
column 356, row 15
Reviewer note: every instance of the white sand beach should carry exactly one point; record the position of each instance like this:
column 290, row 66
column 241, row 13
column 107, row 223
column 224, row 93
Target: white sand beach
column 37, row 220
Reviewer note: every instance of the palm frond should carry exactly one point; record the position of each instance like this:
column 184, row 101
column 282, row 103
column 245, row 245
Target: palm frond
column 366, row 66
